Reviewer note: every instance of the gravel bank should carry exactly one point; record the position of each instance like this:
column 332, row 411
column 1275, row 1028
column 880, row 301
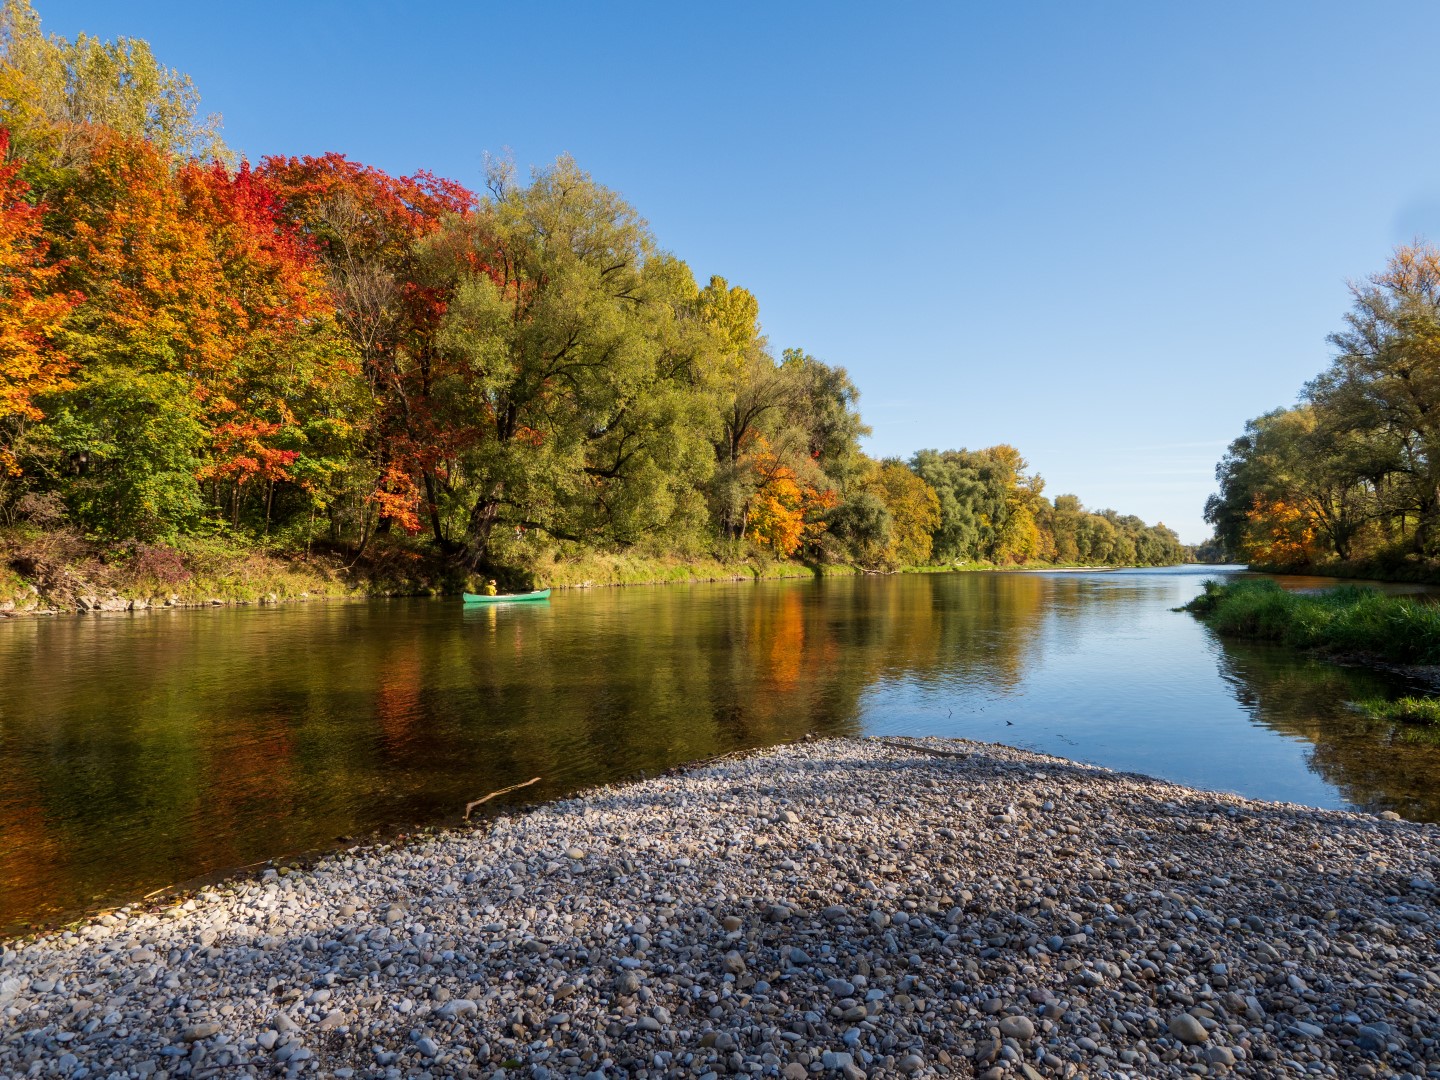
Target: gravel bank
column 836, row 908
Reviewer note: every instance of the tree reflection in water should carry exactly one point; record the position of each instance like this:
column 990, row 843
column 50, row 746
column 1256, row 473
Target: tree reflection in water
column 1377, row 765
column 141, row 751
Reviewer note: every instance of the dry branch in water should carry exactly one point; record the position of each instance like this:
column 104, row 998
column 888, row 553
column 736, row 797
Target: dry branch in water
column 503, row 791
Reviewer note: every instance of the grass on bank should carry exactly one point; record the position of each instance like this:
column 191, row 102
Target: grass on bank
column 55, row 569
column 1409, row 710
column 1349, row 619
column 580, row 568
column 1392, row 564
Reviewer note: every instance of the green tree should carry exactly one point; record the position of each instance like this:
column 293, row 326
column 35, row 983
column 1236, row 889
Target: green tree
column 576, row 364
column 824, row 411
column 57, row 95
column 1384, row 383
column 132, row 443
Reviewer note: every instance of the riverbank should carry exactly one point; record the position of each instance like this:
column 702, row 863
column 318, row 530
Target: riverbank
column 1347, row 621
column 1398, row 567
column 834, row 908
column 62, row 573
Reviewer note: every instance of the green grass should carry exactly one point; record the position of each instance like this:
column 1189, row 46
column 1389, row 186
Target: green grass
column 593, row 568
column 1410, row 710
column 1349, row 620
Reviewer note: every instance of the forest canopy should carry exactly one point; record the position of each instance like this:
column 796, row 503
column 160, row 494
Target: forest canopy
column 309, row 350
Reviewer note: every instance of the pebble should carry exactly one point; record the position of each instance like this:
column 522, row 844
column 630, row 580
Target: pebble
column 829, row 908
column 1187, row 1029
column 1017, row 1027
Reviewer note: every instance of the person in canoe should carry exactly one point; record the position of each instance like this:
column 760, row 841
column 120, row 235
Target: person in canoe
column 490, row 589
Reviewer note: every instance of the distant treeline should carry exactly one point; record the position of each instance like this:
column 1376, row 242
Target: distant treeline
column 1349, row 478
column 310, row 350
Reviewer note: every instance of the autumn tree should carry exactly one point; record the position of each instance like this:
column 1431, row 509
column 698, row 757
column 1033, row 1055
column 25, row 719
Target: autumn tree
column 32, row 364
column 366, row 226
column 887, row 520
column 914, row 510
column 61, row 97
column 201, row 339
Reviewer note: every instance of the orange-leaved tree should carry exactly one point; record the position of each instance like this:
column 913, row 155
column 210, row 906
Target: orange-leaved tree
column 785, row 511
column 1279, row 533
column 32, row 308
column 205, row 340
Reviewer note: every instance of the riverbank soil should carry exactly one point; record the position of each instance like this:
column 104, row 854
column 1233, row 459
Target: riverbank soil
column 836, row 908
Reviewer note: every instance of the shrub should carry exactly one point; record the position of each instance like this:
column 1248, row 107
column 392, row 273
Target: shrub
column 159, row 563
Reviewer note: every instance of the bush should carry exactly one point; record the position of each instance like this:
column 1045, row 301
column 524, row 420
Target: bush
column 158, row 563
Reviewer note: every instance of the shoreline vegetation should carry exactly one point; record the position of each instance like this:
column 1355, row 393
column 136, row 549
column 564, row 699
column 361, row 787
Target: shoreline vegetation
column 840, row 907
column 331, row 379
column 60, row 574
column 1349, row 623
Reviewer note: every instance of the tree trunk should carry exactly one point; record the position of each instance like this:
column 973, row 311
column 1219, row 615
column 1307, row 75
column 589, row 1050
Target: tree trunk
column 482, row 523
column 434, row 509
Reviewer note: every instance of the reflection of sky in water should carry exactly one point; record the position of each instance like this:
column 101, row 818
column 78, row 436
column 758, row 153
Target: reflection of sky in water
column 1117, row 678
column 152, row 749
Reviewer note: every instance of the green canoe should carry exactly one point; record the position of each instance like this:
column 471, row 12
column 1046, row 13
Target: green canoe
column 503, row 598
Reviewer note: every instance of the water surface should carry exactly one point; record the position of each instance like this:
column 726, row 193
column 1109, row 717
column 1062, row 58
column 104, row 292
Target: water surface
column 141, row 750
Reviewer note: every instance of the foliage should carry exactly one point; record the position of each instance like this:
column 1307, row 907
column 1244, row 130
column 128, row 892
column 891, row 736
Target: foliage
column 32, row 365
column 1351, row 474
column 317, row 352
column 59, row 95
column 207, row 363
column 574, row 385
column 366, row 227
column 890, row 521
column 991, row 511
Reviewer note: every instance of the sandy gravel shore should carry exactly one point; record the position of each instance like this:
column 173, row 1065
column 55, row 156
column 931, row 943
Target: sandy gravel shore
column 838, row 908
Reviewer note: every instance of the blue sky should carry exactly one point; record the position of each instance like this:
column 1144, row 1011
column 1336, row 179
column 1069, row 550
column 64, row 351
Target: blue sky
column 1106, row 233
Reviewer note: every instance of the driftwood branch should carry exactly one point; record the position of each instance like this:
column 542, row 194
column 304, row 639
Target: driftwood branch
column 503, row 791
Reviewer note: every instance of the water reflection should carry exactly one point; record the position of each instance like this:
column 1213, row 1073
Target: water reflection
column 139, row 751
column 1374, row 764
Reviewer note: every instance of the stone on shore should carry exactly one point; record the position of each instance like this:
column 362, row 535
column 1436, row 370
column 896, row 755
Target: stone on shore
column 850, row 908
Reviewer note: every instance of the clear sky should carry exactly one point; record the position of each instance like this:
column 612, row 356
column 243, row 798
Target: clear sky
column 1107, row 233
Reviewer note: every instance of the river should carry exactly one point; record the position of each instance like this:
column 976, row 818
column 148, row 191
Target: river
column 142, row 750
